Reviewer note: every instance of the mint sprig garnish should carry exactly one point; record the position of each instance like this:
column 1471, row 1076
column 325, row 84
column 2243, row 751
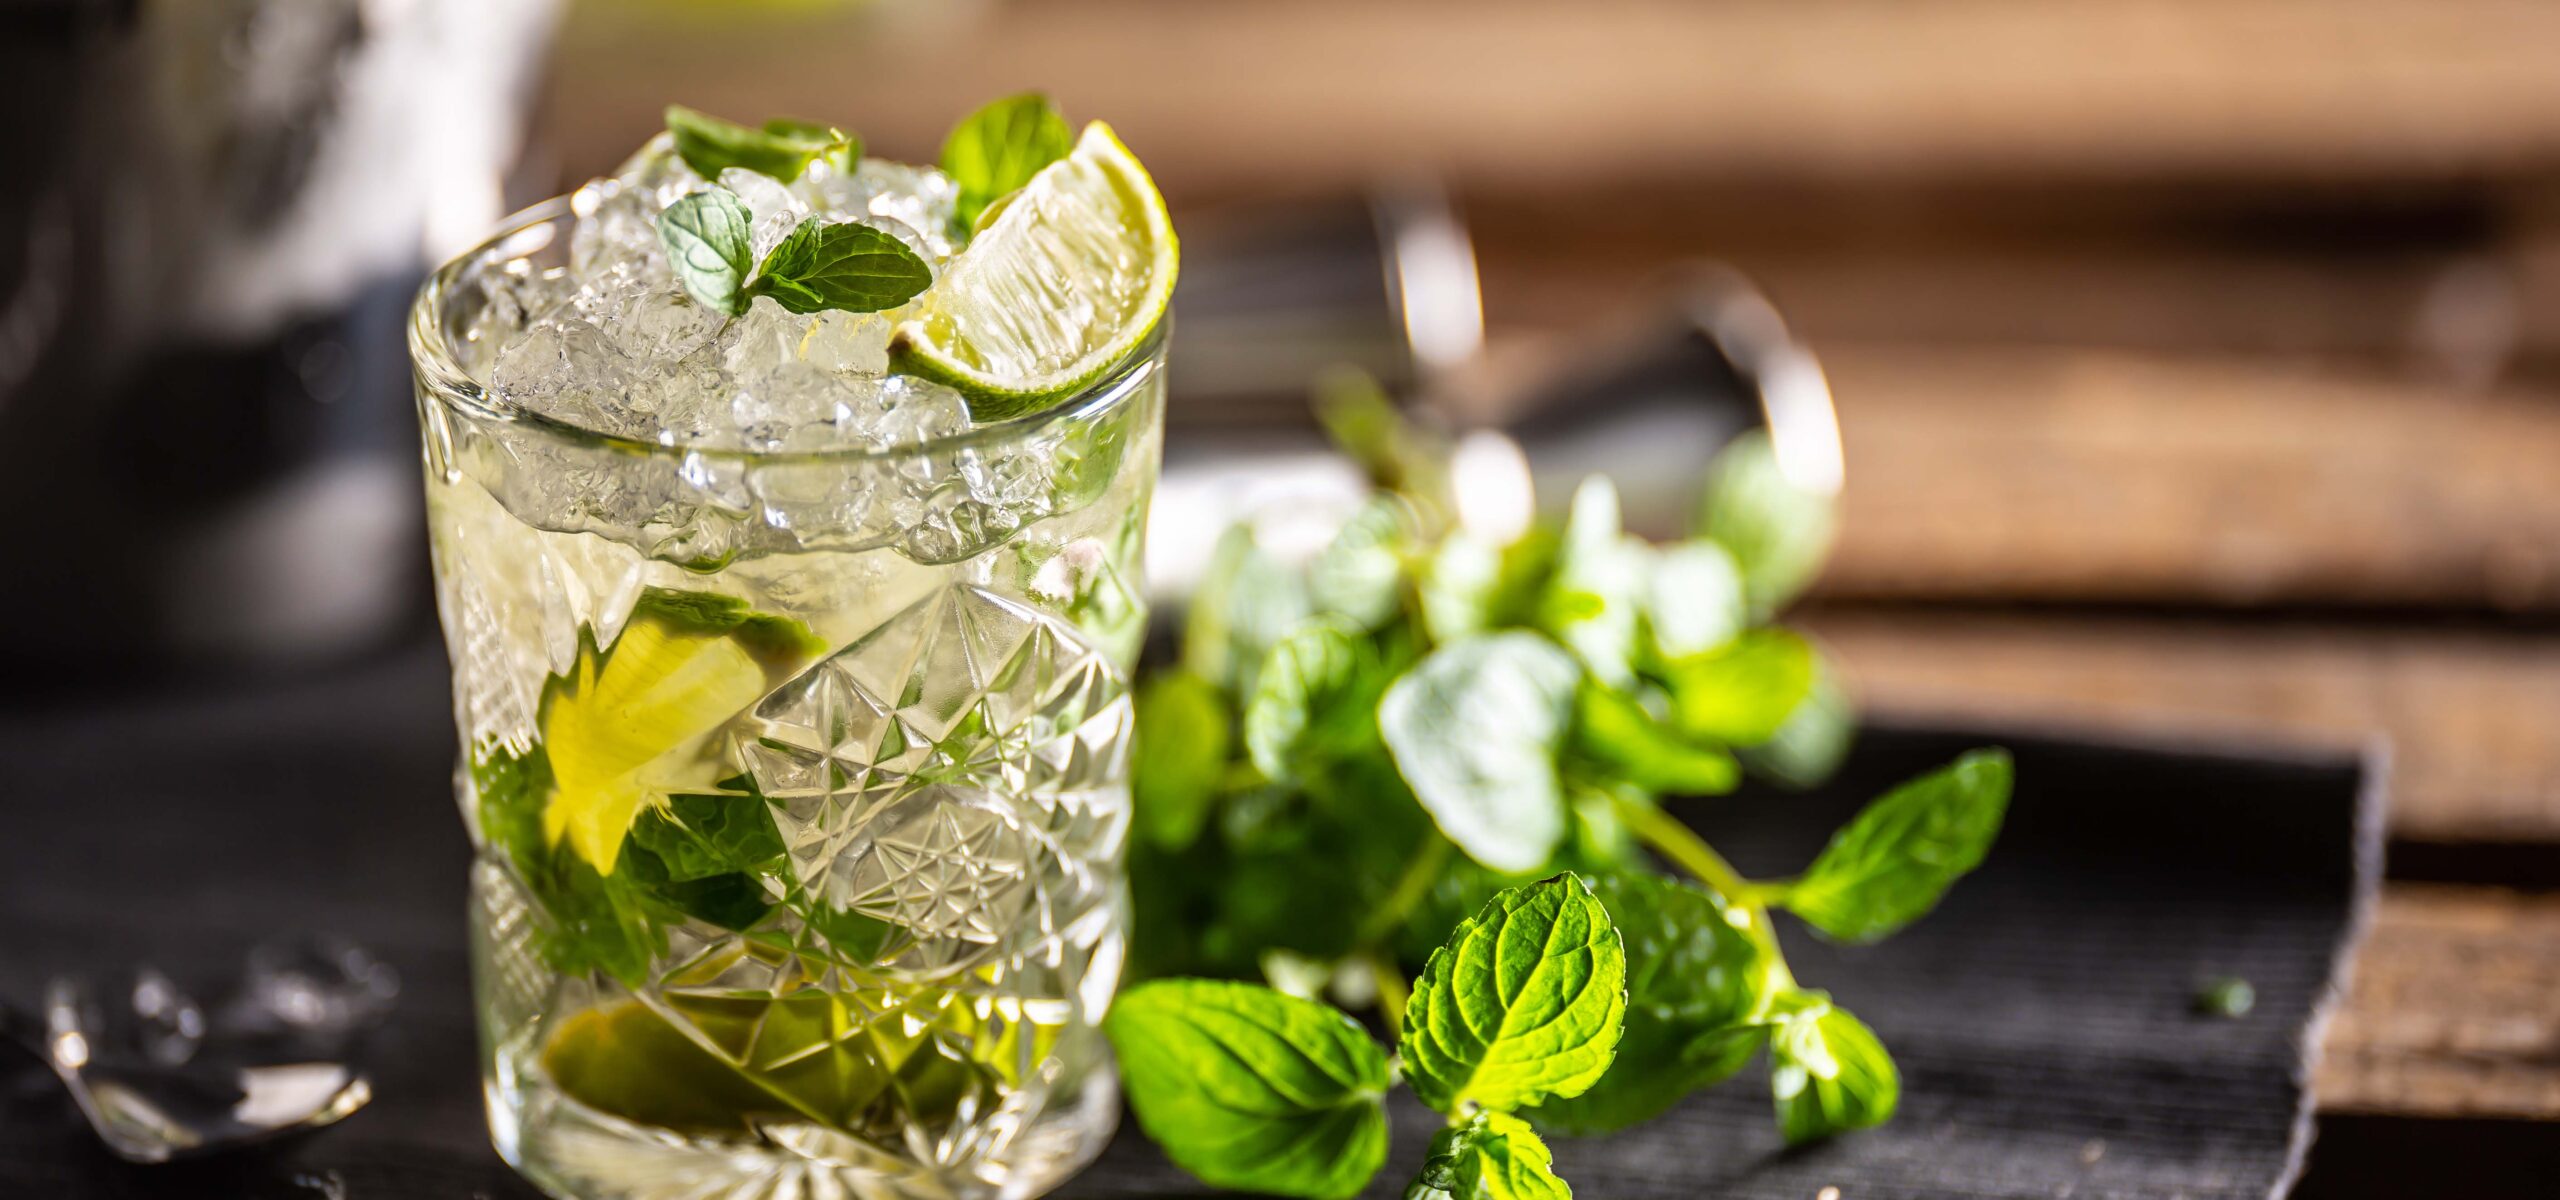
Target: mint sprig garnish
column 994, row 151
column 706, row 239
column 1420, row 719
column 845, row 265
column 820, row 265
column 782, row 149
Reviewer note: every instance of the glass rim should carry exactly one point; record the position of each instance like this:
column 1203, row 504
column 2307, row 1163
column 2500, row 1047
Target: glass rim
column 440, row 373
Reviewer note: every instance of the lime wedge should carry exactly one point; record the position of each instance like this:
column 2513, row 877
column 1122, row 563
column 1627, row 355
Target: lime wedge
column 685, row 664
column 1062, row 281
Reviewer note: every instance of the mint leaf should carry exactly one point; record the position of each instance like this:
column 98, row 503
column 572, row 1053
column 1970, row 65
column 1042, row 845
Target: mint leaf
column 1828, row 1072
column 1614, row 730
column 846, row 265
column 1181, row 757
column 1741, row 693
column 702, row 854
column 1693, row 601
column 1695, row 977
column 842, row 152
column 1524, row 1002
column 997, row 149
column 1493, row 1156
column 1475, row 728
column 1359, row 576
column 1777, row 532
column 1309, row 692
column 1248, row 1088
column 1889, row 865
column 782, row 149
column 1809, row 746
column 1595, row 600
column 705, row 235
column 1246, row 602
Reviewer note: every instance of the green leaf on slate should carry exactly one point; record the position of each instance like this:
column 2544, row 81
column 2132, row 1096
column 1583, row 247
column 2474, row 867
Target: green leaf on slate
column 1313, row 691
column 1742, row 692
column 1695, row 978
column 1248, row 1088
column 1181, row 757
column 997, row 149
column 1474, row 729
column 1777, row 531
column 1491, row 1156
column 781, row 150
column 1526, row 1001
column 1614, row 730
column 1359, row 576
column 1693, row 601
column 1828, row 1072
column 1595, row 600
column 705, row 235
column 1889, row 865
column 846, row 265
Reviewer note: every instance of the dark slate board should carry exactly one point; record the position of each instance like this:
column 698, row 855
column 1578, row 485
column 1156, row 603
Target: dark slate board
column 2041, row 1016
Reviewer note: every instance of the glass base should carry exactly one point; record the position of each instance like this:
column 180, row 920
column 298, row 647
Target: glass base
column 574, row 1152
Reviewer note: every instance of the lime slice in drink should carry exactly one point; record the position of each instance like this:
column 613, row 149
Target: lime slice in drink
column 1062, row 281
column 684, row 665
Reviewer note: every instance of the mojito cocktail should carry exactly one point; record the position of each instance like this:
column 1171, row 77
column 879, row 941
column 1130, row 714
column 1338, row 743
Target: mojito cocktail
column 786, row 509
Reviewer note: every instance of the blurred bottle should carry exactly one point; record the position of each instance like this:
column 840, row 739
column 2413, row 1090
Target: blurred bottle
column 215, row 216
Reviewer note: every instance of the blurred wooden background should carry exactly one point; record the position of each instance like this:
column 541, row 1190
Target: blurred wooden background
column 2198, row 360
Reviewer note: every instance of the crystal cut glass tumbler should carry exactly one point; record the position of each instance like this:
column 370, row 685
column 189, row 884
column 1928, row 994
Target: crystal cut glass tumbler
column 797, row 781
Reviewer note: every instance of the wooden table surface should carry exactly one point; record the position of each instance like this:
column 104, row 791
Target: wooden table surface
column 2198, row 361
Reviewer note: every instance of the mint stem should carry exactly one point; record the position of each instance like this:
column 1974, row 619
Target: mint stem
column 1674, row 840
column 1392, row 991
column 1420, row 872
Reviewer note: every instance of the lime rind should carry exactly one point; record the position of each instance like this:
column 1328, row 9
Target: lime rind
column 1088, row 237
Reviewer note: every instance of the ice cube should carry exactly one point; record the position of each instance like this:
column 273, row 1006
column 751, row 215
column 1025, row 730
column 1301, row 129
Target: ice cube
column 775, row 210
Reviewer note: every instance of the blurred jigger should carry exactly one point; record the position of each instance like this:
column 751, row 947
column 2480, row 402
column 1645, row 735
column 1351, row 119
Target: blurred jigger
column 1388, row 284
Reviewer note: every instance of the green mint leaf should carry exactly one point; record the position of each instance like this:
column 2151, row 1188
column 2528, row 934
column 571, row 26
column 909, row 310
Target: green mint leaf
column 1741, row 693
column 1247, row 1088
column 1695, row 979
column 1614, row 730
column 702, row 854
column 842, row 151
column 782, row 149
column 1595, row 600
column 1524, row 1002
column 1246, row 602
column 997, row 149
column 1828, row 1072
column 1889, row 865
column 1474, row 729
column 1459, row 587
column 1810, row 745
column 1777, row 532
column 1310, row 687
column 705, row 235
column 780, row 643
column 1492, row 1156
column 845, row 265
column 1181, row 757
column 586, row 921
column 1693, row 601
column 1359, row 576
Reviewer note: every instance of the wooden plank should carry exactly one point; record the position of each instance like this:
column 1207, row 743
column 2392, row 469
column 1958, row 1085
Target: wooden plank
column 2053, row 474
column 2469, row 715
column 1252, row 98
column 2454, row 1010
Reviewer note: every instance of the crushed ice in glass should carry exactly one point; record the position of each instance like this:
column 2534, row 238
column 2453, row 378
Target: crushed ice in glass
column 615, row 345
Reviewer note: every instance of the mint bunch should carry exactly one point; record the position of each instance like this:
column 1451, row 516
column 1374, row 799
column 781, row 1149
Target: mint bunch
column 1248, row 1087
column 1359, row 750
